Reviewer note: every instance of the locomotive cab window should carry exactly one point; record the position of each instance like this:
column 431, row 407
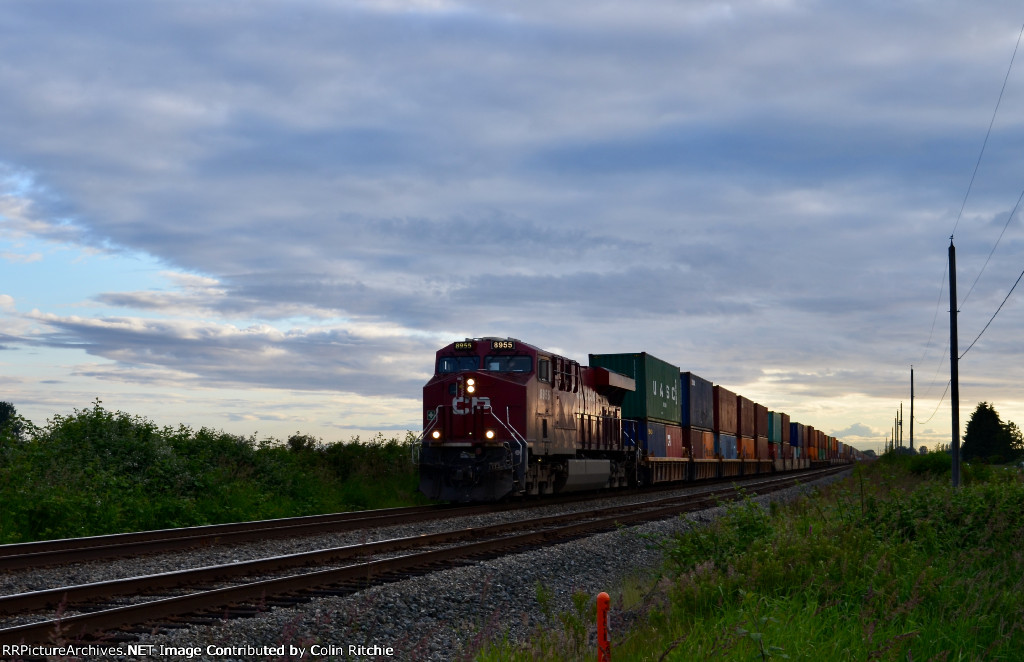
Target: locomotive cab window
column 544, row 370
column 508, row 364
column 447, row 364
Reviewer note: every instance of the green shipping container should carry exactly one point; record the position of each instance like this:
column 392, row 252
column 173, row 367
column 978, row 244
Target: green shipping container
column 657, row 386
column 774, row 427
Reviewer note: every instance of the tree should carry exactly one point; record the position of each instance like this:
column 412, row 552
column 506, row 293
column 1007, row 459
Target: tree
column 988, row 437
column 7, row 413
column 1014, row 439
column 10, row 422
column 923, row 450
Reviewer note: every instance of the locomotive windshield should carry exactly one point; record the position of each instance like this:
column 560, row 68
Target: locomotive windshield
column 508, row 364
column 447, row 364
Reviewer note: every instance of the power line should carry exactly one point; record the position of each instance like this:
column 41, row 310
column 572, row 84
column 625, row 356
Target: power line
column 994, row 314
column 942, row 288
column 936, row 406
column 1006, row 225
column 989, row 132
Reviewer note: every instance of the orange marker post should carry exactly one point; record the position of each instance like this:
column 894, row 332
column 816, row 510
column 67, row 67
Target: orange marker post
column 604, row 647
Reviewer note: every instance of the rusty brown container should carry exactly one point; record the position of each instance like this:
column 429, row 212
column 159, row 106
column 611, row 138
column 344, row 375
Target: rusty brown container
column 763, row 452
column 745, row 421
column 725, row 410
column 674, row 446
column 785, row 428
column 701, row 443
column 761, row 421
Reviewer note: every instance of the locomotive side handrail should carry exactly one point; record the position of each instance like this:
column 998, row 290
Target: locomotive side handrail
column 516, row 437
column 415, row 447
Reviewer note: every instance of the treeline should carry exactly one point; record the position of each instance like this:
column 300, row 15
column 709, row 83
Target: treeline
column 97, row 472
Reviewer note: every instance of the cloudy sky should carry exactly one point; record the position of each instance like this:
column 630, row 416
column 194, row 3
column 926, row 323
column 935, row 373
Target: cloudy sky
column 265, row 216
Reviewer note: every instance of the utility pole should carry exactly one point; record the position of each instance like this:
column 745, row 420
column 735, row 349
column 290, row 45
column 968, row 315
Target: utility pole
column 954, row 359
column 911, row 409
column 901, row 425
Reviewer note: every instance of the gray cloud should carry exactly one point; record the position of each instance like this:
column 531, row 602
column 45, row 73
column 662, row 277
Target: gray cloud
column 747, row 186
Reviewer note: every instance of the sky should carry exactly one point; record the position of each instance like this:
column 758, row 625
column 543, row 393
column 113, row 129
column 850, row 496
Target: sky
column 265, row 217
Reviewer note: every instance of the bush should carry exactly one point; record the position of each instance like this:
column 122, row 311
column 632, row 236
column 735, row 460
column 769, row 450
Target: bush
column 97, row 472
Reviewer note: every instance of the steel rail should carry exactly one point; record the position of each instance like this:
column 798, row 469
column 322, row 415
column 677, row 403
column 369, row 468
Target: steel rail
column 18, row 556
column 73, row 627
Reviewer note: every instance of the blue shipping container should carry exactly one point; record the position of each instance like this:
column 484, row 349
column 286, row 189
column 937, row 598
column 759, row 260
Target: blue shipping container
column 698, row 401
column 650, row 435
column 726, row 445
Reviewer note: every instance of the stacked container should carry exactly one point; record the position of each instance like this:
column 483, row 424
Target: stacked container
column 786, row 443
column 653, row 406
column 797, row 439
column 747, row 426
column 775, row 435
column 761, row 432
column 698, row 415
column 725, row 424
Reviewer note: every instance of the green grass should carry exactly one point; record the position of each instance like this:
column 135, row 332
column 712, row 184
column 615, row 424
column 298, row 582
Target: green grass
column 891, row 564
column 98, row 472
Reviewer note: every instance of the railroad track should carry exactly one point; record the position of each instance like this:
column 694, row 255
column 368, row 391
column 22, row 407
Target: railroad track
column 247, row 587
column 44, row 553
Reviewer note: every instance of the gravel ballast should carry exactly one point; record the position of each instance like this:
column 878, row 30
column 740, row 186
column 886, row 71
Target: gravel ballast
column 444, row 615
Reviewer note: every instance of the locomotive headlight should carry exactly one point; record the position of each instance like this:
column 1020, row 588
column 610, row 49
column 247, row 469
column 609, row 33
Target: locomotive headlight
column 436, row 434
column 470, row 389
column 489, row 434
column 470, row 382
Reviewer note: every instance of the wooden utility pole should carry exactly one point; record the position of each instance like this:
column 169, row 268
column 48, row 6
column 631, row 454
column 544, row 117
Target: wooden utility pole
column 954, row 359
column 911, row 408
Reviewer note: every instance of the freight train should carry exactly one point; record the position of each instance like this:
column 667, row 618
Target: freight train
column 504, row 418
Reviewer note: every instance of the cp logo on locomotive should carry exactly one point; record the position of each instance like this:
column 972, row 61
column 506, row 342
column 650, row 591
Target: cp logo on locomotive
column 473, row 404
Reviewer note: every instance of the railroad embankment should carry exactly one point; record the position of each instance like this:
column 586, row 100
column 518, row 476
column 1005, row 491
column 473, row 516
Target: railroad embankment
column 890, row 564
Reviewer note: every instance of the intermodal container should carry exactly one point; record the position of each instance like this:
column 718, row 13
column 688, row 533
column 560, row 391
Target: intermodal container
column 656, row 396
column 810, row 440
column 797, row 433
column 760, row 420
column 700, row 442
column 725, row 411
column 675, row 443
column 774, row 427
column 664, row 440
column 725, row 445
column 698, row 401
column 785, row 428
column 745, row 421
column 652, row 437
column 747, row 447
column 763, row 448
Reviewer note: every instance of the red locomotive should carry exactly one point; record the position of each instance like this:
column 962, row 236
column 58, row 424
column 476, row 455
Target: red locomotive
column 502, row 417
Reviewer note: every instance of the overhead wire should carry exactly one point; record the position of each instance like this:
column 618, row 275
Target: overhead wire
column 1005, row 225
column 924, row 422
column 994, row 314
column 989, row 132
column 956, row 224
